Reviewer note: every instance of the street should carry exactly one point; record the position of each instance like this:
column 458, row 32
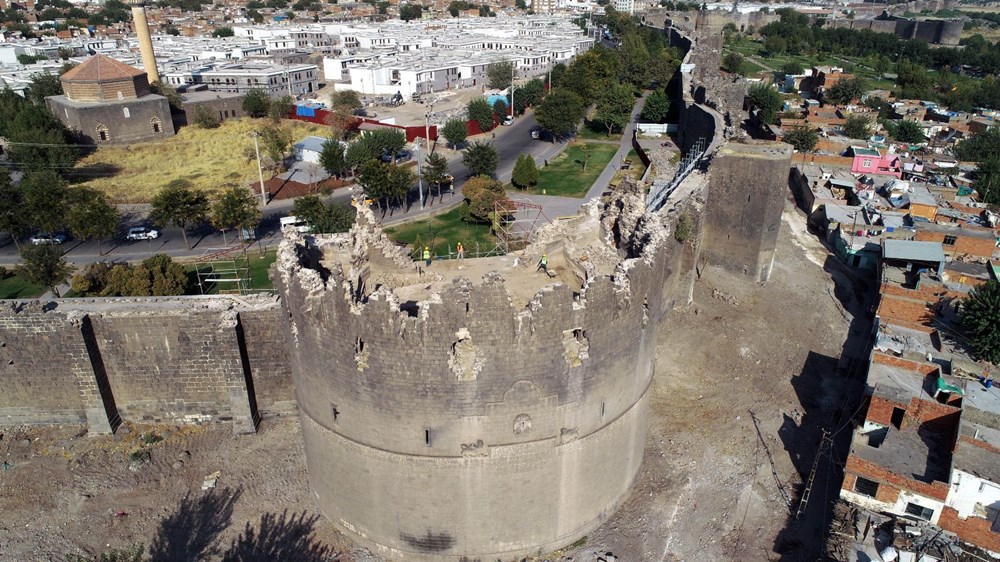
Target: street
column 510, row 142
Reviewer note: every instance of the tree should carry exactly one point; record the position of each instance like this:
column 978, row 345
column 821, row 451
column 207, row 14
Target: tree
column 435, row 170
column 178, row 205
column 735, row 63
column 44, row 195
column 500, row 108
column 981, row 321
column 399, row 180
column 409, row 12
column 481, row 194
column 12, row 217
column 359, row 152
column 634, row 60
column 256, row 103
column 91, row 217
column 803, row 139
column 614, row 107
column 275, row 141
column 905, row 131
column 169, row 92
column 205, row 118
column 858, row 126
column 792, row 67
column 767, row 101
column 345, row 101
column 560, row 113
column 481, row 159
column 323, row 217
column 42, row 86
column 980, row 146
column 500, row 74
column 332, row 158
column 479, row 110
column 235, row 209
column 373, row 177
column 280, row 108
column 987, row 182
column 455, row 132
column 656, row 107
column 847, row 90
column 223, row 32
column 44, row 265
column 525, row 174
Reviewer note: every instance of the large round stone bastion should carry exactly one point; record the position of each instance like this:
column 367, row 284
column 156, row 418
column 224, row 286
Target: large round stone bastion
column 476, row 409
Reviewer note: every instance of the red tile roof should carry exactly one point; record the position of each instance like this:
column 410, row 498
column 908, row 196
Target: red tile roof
column 100, row 68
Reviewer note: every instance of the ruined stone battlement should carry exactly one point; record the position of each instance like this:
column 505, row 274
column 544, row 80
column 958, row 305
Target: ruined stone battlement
column 454, row 398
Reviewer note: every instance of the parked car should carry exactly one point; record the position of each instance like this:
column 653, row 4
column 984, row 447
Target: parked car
column 508, row 120
column 43, row 238
column 142, row 233
column 536, row 133
column 401, row 156
column 295, row 223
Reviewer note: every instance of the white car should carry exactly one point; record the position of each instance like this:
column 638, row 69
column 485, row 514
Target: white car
column 508, row 121
column 43, row 238
column 142, row 233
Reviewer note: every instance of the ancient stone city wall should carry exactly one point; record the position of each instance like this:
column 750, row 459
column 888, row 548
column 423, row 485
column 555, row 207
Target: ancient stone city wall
column 474, row 427
column 176, row 360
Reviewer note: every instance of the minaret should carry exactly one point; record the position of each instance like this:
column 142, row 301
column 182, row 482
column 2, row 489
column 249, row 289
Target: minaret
column 145, row 41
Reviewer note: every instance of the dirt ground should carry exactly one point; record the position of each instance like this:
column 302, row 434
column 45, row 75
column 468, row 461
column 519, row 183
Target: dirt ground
column 707, row 490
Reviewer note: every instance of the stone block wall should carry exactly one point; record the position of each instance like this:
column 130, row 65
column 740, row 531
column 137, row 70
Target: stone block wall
column 473, row 427
column 746, row 195
column 177, row 360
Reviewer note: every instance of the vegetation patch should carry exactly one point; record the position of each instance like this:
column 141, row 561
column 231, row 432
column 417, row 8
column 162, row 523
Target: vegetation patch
column 443, row 233
column 565, row 174
column 198, row 157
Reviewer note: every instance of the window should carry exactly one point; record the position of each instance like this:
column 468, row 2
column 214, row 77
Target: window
column 125, row 111
column 919, row 511
column 155, row 124
column 427, row 437
column 949, row 240
column 897, row 417
column 102, row 133
column 866, row 487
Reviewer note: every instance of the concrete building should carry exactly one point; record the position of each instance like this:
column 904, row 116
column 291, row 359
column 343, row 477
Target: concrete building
column 746, row 195
column 107, row 101
column 288, row 80
column 625, row 6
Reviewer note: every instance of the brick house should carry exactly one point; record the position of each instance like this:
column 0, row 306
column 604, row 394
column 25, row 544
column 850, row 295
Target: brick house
column 960, row 239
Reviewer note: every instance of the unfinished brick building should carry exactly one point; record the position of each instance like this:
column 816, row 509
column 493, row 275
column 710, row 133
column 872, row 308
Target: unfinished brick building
column 447, row 417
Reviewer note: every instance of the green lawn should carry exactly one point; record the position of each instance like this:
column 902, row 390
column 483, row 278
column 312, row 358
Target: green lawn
column 258, row 267
column 596, row 131
column 15, row 287
column 443, row 233
column 565, row 175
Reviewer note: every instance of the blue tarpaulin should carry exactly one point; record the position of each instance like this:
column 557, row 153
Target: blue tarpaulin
column 305, row 111
column 493, row 99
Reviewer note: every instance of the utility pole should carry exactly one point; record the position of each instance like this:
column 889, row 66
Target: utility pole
column 260, row 171
column 513, row 76
column 420, row 174
column 427, row 126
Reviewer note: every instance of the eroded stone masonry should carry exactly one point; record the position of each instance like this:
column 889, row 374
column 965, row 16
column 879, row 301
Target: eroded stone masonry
column 479, row 408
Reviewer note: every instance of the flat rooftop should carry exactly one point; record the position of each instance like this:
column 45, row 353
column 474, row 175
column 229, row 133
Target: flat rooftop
column 918, row 453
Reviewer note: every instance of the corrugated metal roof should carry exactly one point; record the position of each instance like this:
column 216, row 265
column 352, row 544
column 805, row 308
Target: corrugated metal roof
column 314, row 144
column 912, row 250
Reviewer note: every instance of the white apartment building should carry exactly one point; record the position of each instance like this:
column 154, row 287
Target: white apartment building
column 627, row 6
column 276, row 80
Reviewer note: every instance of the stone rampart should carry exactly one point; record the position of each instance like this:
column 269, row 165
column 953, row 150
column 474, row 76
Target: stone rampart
column 176, row 360
column 476, row 419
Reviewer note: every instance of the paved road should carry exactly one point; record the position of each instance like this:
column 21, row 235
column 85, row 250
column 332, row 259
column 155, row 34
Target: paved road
column 510, row 142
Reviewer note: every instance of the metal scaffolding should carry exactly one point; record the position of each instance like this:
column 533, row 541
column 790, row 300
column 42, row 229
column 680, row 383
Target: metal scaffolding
column 515, row 222
column 226, row 275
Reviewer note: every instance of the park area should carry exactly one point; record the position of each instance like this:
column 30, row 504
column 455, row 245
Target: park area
column 573, row 172
column 442, row 234
column 202, row 159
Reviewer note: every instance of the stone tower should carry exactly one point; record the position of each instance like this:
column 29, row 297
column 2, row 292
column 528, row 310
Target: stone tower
column 145, row 40
column 452, row 419
column 746, row 194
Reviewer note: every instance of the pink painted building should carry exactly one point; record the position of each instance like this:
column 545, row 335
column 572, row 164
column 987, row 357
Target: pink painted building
column 871, row 162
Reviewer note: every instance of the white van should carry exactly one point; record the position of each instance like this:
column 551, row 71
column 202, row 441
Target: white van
column 293, row 222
